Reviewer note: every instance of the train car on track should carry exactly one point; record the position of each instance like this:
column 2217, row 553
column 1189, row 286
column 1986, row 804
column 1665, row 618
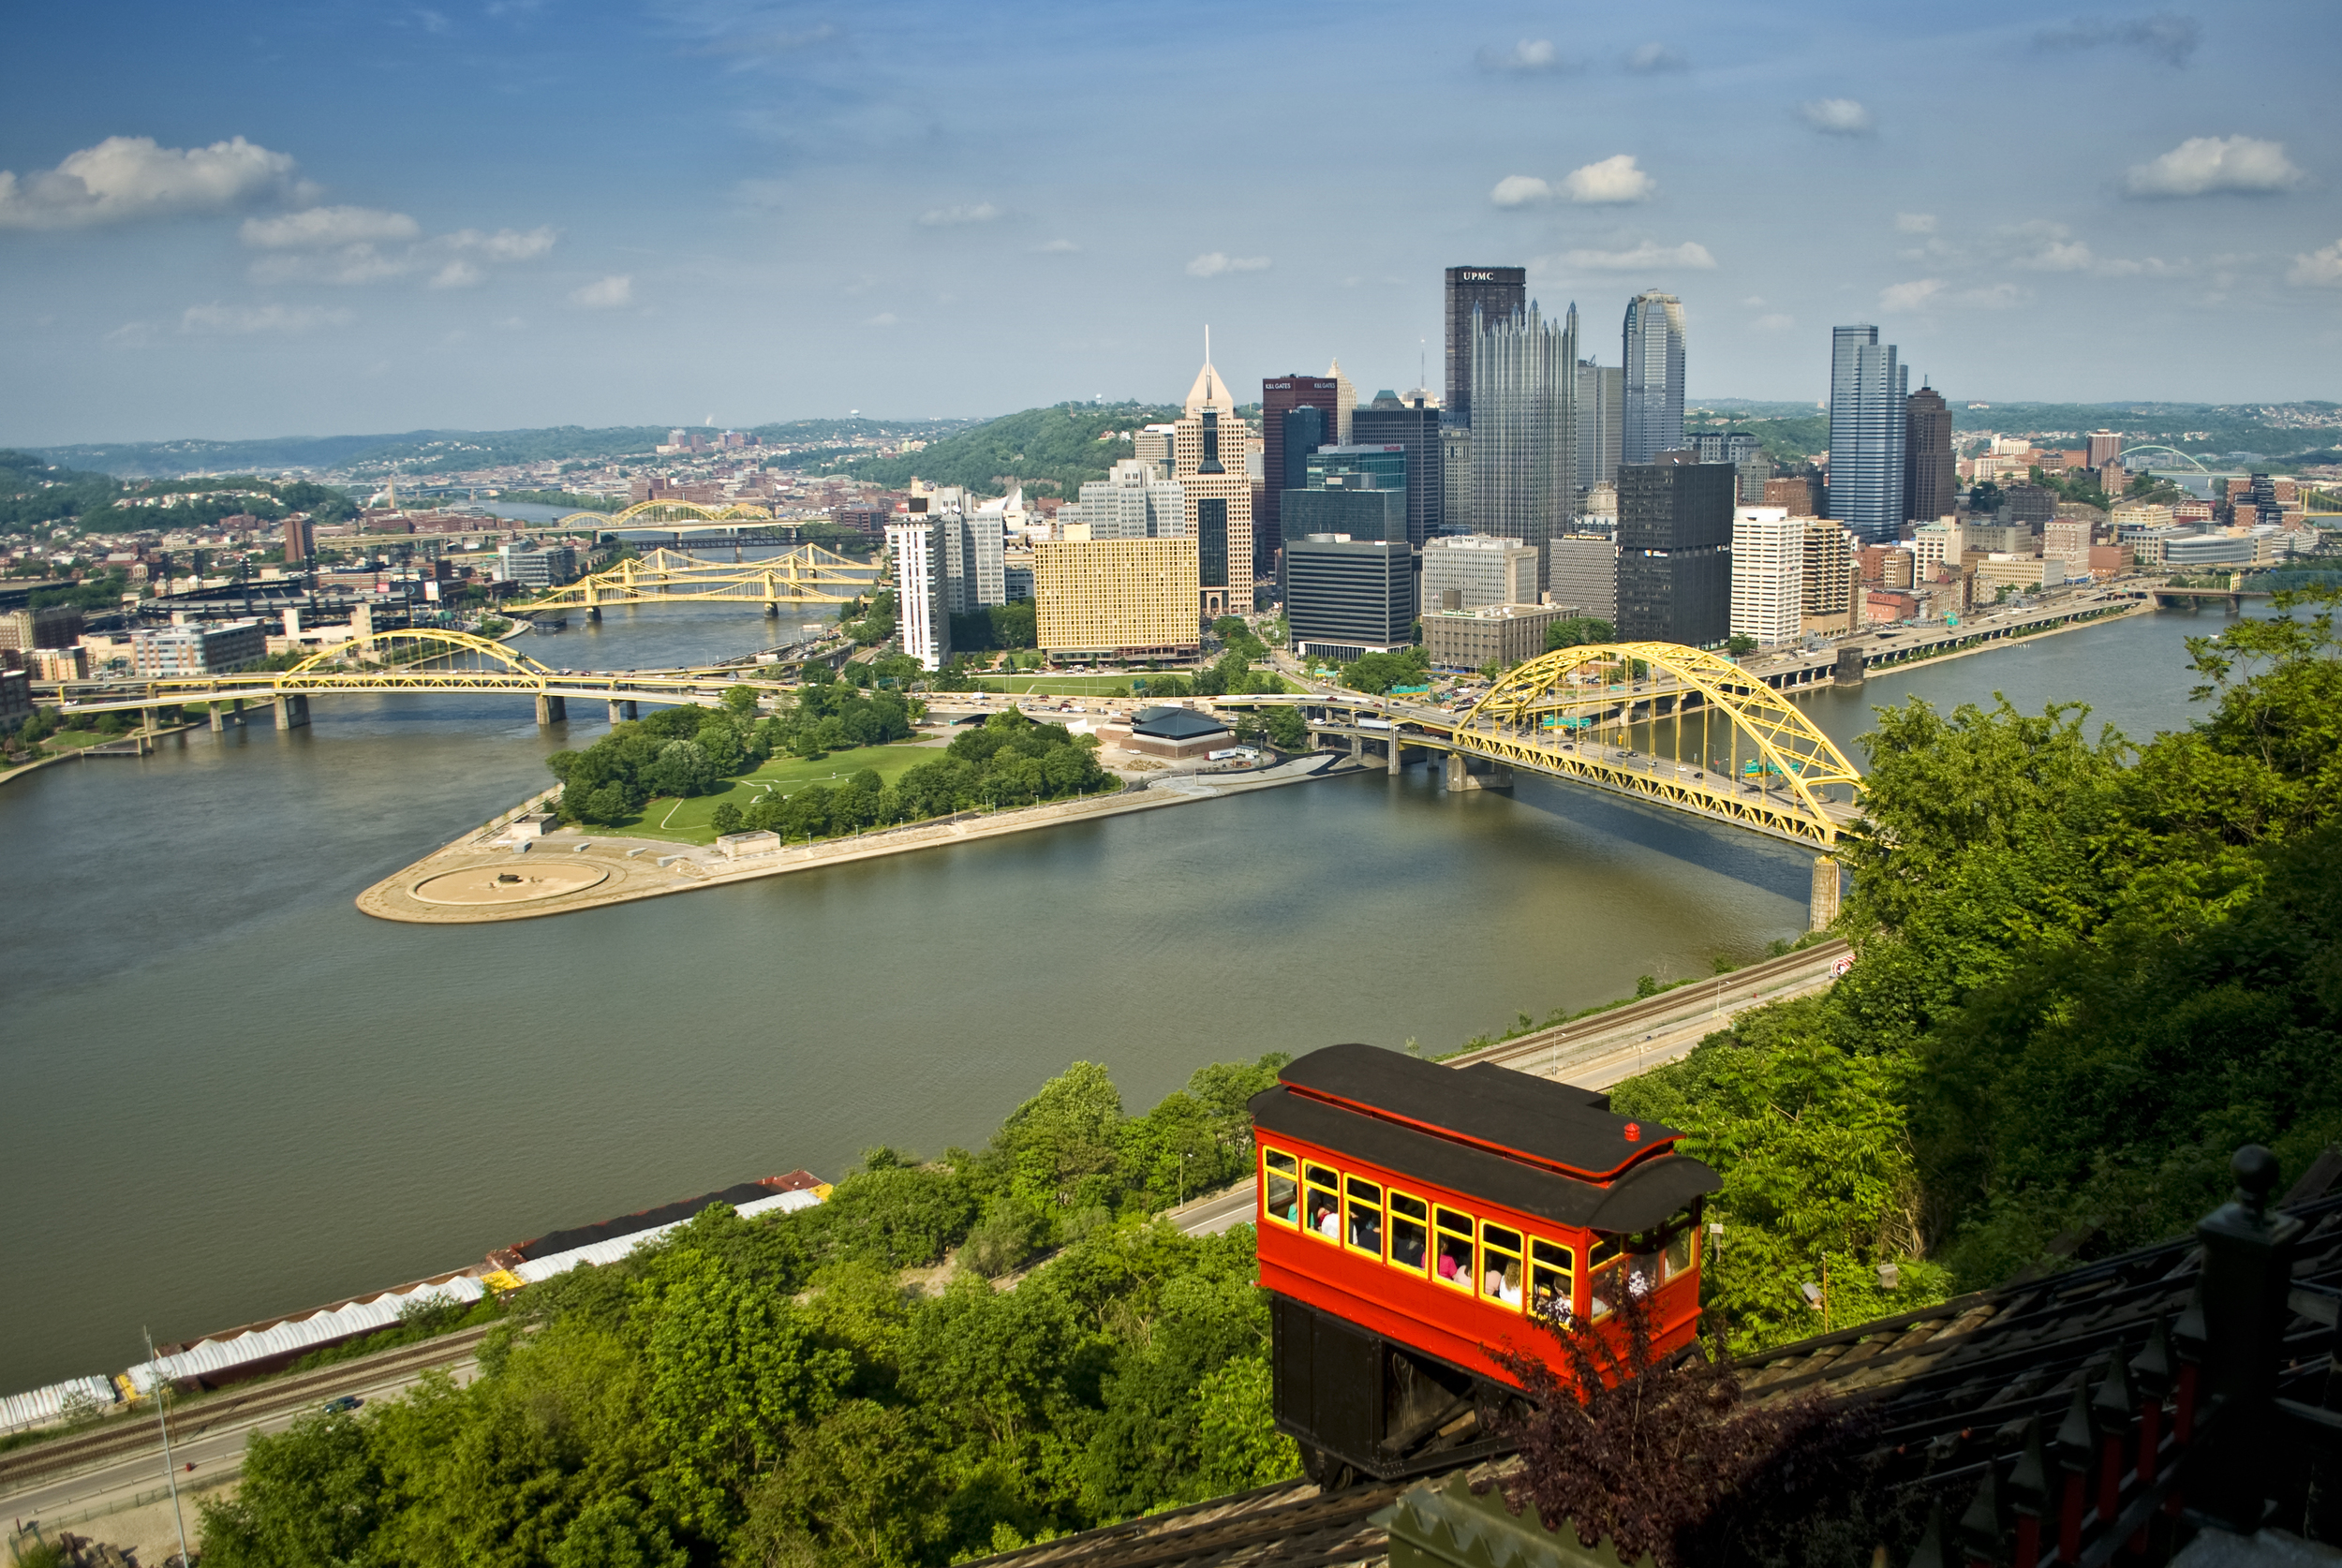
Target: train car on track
column 1412, row 1220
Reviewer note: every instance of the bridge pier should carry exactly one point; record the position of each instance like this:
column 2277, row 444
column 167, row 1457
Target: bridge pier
column 1822, row 909
column 219, row 719
column 1395, row 753
column 292, row 711
column 772, row 611
column 1849, row 671
column 1459, row 776
column 551, row 710
column 593, row 614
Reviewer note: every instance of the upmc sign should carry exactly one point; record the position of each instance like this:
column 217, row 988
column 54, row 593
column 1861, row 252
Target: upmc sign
column 1480, row 277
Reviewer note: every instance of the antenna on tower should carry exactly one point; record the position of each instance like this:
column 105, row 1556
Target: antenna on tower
column 1207, row 343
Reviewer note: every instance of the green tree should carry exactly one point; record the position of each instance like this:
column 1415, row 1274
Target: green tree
column 1577, row 631
column 1286, row 728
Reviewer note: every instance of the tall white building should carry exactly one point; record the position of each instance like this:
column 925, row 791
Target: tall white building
column 1478, row 568
column 1768, row 574
column 922, row 620
column 974, row 571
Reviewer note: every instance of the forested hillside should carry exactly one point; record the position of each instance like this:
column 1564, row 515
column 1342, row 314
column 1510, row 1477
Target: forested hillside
column 35, row 496
column 1049, row 449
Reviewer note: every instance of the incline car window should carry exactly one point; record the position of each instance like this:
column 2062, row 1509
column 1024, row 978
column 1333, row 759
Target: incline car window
column 1325, row 1205
column 1282, row 1191
column 1410, row 1232
column 1500, row 1264
column 1550, row 1266
column 1452, row 1254
column 1364, row 1229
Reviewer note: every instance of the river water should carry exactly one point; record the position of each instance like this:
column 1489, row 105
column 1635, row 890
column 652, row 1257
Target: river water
column 230, row 1095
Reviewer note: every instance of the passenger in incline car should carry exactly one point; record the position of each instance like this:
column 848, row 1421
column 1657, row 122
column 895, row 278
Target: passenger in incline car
column 1324, row 1221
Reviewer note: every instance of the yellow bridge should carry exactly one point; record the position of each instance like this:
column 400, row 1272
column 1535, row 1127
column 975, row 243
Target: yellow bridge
column 803, row 576
column 667, row 511
column 407, row 661
column 1685, row 729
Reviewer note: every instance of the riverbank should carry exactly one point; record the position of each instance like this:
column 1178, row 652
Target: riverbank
column 465, row 883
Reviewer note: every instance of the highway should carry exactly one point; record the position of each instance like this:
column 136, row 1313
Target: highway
column 1599, row 1051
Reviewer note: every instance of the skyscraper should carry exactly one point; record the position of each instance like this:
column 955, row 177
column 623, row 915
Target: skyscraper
column 1208, row 458
column 1281, row 397
column 1524, row 433
column 1931, row 475
column 1601, row 407
column 1868, row 385
column 923, row 622
column 1497, row 293
column 1651, row 420
column 1675, row 551
column 1768, row 574
column 1411, row 422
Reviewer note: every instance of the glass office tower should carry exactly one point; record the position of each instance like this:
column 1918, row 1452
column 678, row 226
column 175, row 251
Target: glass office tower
column 1651, row 420
column 1497, row 293
column 1524, row 428
column 1868, row 390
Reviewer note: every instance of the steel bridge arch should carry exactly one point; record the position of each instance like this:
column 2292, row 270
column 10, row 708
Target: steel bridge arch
column 808, row 574
column 452, row 642
column 1785, row 738
column 2174, row 450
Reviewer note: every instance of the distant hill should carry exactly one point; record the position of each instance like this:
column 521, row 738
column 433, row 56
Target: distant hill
column 1055, row 449
column 2297, row 434
column 422, row 449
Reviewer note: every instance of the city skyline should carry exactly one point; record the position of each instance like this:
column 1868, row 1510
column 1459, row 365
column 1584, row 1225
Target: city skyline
column 335, row 253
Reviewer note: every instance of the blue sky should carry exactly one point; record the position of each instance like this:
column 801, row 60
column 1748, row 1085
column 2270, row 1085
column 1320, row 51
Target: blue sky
column 244, row 220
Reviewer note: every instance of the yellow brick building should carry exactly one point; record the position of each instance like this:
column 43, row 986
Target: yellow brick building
column 1116, row 598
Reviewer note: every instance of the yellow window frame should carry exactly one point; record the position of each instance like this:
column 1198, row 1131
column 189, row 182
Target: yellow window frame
column 1381, row 1218
column 1267, row 1174
column 1468, row 1232
column 1515, row 1254
column 1331, row 1188
column 1421, row 1220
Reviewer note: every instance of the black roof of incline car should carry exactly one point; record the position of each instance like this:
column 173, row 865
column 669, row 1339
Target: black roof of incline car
column 1643, row 1197
column 1176, row 724
column 1570, row 1130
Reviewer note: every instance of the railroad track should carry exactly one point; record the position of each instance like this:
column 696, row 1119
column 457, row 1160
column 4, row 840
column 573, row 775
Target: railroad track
column 133, row 1434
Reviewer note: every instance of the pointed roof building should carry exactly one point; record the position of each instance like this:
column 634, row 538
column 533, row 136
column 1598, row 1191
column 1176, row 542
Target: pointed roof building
column 1209, row 391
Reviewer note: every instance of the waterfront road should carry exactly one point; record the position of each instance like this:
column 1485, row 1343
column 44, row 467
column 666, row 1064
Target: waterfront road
column 119, row 1464
column 1599, row 1051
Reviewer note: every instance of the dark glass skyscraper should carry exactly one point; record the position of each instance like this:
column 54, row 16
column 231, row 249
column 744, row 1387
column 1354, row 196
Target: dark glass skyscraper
column 1498, row 295
column 1651, row 420
column 1868, row 387
column 1931, row 475
column 1675, row 551
column 1524, row 440
column 1279, row 396
column 1389, row 422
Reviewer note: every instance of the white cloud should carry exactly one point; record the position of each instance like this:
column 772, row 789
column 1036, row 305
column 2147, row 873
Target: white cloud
column 2203, row 165
column 130, row 334
column 1915, row 223
column 317, row 227
column 2059, row 255
column 1058, row 247
column 883, row 318
column 1932, row 293
column 2167, row 35
column 458, row 274
column 608, row 293
column 127, row 177
column 1530, row 57
column 1652, row 58
column 1641, row 258
column 505, row 244
column 1212, row 263
column 245, row 320
column 1519, row 190
column 1611, row 180
column 1776, row 322
column 2320, row 269
column 952, row 218
column 1837, row 116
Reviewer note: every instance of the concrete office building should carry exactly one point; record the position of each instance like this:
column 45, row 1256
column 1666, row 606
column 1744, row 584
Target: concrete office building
column 1652, row 415
column 1349, row 598
column 2105, row 449
column 1152, row 445
column 1601, row 413
column 1346, row 403
column 536, row 567
column 1132, row 501
column 974, row 568
column 1936, row 546
column 301, row 539
column 1830, row 608
column 922, row 620
column 1582, row 570
column 1868, row 389
column 1745, row 453
column 1411, row 423
column 1455, row 470
column 1768, row 574
column 1499, row 634
column 1931, row 475
column 1464, row 571
column 196, row 648
column 1524, row 433
column 1297, row 418
column 1492, row 293
column 1795, row 494
column 16, row 697
column 1675, row 551
column 57, row 627
column 1116, row 598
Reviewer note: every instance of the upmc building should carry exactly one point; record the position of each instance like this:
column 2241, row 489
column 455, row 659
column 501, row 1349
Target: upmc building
column 1498, row 292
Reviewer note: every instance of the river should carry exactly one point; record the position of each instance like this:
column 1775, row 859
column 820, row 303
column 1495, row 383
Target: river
column 230, row 1095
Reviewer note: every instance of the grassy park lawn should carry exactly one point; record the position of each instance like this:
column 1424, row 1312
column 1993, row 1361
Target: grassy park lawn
column 687, row 821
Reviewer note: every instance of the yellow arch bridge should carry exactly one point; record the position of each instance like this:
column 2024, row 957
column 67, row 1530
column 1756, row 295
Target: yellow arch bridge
column 425, row 661
column 667, row 511
column 1666, row 723
column 807, row 575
